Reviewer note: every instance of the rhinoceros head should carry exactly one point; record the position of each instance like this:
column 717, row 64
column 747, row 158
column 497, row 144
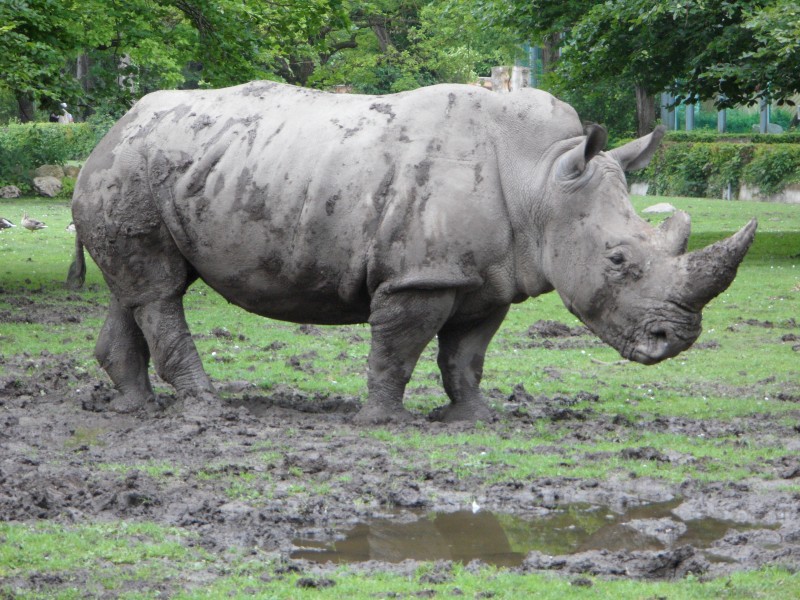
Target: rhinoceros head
column 633, row 285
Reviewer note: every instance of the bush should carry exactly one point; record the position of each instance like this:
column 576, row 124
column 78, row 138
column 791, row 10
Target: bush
column 23, row 147
column 712, row 136
column 705, row 170
column 773, row 168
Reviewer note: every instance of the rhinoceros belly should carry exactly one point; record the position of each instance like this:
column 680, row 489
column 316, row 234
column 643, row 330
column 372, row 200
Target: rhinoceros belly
column 270, row 246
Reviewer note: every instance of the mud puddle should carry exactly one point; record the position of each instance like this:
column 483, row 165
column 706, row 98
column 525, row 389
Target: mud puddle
column 505, row 540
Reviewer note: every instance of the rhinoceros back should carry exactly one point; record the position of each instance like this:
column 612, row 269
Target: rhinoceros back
column 292, row 202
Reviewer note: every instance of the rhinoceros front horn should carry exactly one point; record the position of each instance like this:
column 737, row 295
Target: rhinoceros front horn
column 711, row 270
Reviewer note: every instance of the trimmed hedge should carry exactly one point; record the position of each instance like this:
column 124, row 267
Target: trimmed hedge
column 23, row 147
column 739, row 138
column 704, row 170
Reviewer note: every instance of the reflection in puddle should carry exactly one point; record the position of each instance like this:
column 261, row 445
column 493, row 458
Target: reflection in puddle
column 505, row 540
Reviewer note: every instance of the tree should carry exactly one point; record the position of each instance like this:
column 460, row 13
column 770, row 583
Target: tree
column 121, row 49
column 37, row 37
column 763, row 61
column 403, row 44
column 733, row 51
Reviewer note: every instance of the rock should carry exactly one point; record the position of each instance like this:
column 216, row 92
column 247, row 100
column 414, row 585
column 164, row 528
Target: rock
column 49, row 171
column 661, row 207
column 10, row 191
column 771, row 128
column 47, row 186
column 664, row 530
column 71, row 170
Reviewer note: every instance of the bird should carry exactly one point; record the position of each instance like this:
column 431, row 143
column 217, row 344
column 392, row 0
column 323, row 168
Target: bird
column 5, row 223
column 70, row 227
column 32, row 224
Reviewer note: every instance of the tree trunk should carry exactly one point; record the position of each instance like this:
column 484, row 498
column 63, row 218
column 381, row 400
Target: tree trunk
column 550, row 51
column 378, row 26
column 27, row 111
column 645, row 111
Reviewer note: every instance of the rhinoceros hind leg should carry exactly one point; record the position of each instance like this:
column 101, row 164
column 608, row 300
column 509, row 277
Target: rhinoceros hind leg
column 402, row 324
column 462, row 349
column 122, row 352
column 175, row 356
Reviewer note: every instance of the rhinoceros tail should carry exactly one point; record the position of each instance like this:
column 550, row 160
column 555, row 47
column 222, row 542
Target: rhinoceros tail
column 77, row 270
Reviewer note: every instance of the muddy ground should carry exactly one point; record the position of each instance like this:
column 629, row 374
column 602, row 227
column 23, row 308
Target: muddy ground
column 276, row 468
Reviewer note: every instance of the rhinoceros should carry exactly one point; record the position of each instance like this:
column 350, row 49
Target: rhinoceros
column 425, row 214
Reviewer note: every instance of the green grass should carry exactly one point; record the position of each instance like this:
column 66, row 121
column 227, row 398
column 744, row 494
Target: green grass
column 128, row 560
column 104, row 558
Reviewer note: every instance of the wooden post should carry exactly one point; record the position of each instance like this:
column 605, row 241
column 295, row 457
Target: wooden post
column 510, row 79
column 520, row 78
column 501, row 79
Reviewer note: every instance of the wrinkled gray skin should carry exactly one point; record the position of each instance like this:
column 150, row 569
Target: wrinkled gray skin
column 424, row 213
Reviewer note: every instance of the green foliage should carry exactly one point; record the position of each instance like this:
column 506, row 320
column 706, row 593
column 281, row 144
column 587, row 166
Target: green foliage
column 400, row 45
column 732, row 52
column 703, row 169
column 610, row 102
column 761, row 61
column 138, row 46
column 23, row 147
column 36, row 38
column 773, row 167
column 698, row 135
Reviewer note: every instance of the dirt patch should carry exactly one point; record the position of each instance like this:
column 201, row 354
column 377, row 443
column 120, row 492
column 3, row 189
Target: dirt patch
column 285, row 465
column 29, row 306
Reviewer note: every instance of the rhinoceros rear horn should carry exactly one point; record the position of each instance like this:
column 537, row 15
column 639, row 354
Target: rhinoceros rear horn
column 711, row 270
column 572, row 164
column 637, row 154
column 676, row 232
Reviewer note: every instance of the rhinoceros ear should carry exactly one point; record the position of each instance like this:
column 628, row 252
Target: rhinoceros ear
column 637, row 154
column 573, row 163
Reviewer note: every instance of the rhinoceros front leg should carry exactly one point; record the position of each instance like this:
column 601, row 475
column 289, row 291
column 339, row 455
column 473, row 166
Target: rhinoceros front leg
column 122, row 352
column 402, row 324
column 462, row 348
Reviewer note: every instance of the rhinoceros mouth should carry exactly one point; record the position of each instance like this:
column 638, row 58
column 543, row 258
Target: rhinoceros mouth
column 660, row 340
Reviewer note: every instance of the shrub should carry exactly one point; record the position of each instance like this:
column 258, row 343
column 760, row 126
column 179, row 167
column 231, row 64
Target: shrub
column 23, row 147
column 712, row 136
column 705, row 170
column 773, row 168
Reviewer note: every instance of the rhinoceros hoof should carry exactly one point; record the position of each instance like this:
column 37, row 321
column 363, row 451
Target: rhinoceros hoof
column 376, row 414
column 129, row 403
column 198, row 406
column 471, row 413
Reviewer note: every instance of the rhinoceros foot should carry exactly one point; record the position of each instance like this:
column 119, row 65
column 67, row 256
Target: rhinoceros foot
column 199, row 406
column 471, row 412
column 380, row 414
column 127, row 403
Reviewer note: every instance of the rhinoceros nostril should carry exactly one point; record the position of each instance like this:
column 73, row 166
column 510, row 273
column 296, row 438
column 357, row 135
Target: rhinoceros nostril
column 659, row 335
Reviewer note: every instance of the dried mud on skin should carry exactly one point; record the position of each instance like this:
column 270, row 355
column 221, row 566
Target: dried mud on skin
column 65, row 458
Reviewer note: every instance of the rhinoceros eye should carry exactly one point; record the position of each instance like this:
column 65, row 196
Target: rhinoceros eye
column 617, row 258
